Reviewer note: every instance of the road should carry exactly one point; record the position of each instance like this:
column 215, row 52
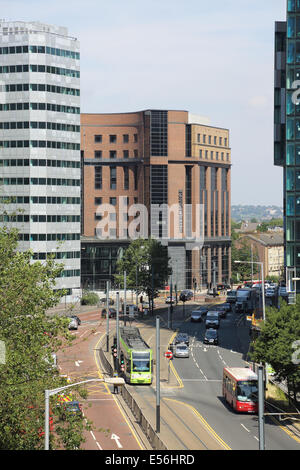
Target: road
column 201, row 376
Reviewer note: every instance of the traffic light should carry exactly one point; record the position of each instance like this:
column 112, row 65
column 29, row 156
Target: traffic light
column 122, row 362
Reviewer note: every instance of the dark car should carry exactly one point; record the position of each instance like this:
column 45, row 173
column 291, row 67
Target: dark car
column 110, row 301
column 186, row 295
column 222, row 311
column 112, row 313
column 211, row 336
column 170, row 300
column 196, row 316
column 212, row 319
column 182, row 338
column 203, row 310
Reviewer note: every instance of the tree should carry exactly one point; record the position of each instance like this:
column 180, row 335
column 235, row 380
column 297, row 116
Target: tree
column 274, row 344
column 146, row 263
column 30, row 337
column 241, row 251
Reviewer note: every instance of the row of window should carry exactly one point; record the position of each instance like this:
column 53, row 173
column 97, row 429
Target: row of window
column 208, row 140
column 39, row 200
column 219, row 155
column 20, row 68
column 113, row 138
column 50, row 144
column 57, row 108
column 70, row 273
column 40, row 181
column 113, row 201
column 39, row 218
column 113, row 177
column 39, row 87
column 54, row 126
column 56, row 255
column 39, row 50
column 115, row 154
column 49, row 237
column 39, row 162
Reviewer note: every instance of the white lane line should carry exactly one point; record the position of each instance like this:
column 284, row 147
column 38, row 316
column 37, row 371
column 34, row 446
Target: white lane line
column 98, row 445
column 93, row 435
column 245, row 427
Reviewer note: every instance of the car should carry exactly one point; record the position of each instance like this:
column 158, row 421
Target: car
column 186, row 295
column 181, row 350
column 231, row 297
column 222, row 311
column 76, row 318
column 131, row 309
column 71, row 408
column 212, row 319
column 270, row 292
column 112, row 313
column 196, row 316
column 73, row 325
column 110, row 301
column 170, row 300
column 182, row 338
column 211, row 336
column 227, row 306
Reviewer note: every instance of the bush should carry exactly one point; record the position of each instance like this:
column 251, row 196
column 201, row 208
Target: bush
column 89, row 298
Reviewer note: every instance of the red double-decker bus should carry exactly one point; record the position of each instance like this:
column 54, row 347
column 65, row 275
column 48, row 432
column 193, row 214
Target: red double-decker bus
column 240, row 389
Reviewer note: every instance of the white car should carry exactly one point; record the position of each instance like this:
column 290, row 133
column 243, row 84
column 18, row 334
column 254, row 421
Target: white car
column 73, row 325
column 181, row 350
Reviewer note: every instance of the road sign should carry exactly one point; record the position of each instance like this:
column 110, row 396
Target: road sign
column 168, row 354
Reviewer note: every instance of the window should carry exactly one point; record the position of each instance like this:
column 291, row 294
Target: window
column 204, row 138
column 98, row 153
column 98, row 177
column 126, row 177
column 98, row 138
column 113, row 201
column 112, row 139
column 125, row 153
column 113, row 177
column 135, row 137
column 125, row 138
column 112, row 154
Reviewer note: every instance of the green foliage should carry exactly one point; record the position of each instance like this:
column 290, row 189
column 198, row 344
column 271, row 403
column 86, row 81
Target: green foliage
column 274, row 345
column 146, row 263
column 241, row 251
column 30, row 337
column 89, row 298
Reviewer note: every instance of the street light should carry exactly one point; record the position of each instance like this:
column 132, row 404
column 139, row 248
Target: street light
column 262, row 282
column 111, row 380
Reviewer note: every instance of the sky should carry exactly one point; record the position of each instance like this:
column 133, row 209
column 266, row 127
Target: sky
column 213, row 58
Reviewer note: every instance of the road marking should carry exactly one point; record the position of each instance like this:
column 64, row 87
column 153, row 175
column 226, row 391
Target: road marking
column 77, row 363
column 244, row 427
column 93, row 435
column 98, row 445
column 204, row 422
column 116, row 438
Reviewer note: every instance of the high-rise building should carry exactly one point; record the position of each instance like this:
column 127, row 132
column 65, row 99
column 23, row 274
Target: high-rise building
column 156, row 159
column 40, row 142
column 287, row 132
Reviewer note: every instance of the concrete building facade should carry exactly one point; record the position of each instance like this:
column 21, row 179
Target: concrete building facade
column 156, row 159
column 40, row 142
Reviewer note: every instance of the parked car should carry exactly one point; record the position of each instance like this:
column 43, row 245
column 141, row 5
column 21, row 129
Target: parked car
column 182, row 338
column 211, row 336
column 73, row 325
column 212, row 319
column 170, row 300
column 196, row 316
column 76, row 318
column 181, row 350
column 112, row 312
column 186, row 295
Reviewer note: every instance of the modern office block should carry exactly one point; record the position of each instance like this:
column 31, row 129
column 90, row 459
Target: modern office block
column 40, row 142
column 157, row 159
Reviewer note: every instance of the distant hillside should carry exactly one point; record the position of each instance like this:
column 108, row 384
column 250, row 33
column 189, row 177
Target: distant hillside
column 259, row 213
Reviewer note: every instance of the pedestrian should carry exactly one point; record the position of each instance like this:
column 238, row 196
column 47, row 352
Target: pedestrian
column 116, row 389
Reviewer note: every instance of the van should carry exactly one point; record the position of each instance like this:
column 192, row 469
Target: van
column 212, row 319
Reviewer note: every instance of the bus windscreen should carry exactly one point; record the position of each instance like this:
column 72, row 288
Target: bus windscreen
column 247, row 390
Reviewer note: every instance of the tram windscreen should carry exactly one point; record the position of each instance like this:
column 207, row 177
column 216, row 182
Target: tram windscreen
column 247, row 390
column 141, row 362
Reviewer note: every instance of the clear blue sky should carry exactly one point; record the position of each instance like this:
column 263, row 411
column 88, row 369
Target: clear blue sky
column 210, row 58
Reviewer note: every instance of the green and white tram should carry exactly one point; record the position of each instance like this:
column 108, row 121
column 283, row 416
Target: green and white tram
column 136, row 356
